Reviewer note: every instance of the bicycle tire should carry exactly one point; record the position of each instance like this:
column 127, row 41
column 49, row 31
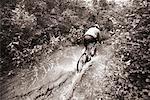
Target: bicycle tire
column 81, row 62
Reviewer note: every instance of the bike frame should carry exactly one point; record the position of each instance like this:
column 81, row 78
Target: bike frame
column 86, row 54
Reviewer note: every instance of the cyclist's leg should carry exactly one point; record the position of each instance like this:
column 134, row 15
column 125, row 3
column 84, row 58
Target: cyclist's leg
column 85, row 42
column 88, row 53
column 86, row 45
column 93, row 50
column 92, row 47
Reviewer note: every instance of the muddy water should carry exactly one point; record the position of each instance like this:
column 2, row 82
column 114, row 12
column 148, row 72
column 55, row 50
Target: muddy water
column 47, row 76
column 55, row 77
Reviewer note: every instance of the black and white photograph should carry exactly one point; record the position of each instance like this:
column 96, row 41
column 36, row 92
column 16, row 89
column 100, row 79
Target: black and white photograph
column 74, row 50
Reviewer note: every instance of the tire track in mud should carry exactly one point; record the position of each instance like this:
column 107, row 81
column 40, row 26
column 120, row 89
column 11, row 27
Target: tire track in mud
column 45, row 90
column 75, row 80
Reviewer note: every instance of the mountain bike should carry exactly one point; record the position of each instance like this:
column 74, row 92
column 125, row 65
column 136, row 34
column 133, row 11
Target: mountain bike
column 86, row 57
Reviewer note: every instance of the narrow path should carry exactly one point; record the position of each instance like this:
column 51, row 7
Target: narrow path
column 91, row 85
column 56, row 78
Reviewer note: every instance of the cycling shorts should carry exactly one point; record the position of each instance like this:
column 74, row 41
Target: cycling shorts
column 89, row 39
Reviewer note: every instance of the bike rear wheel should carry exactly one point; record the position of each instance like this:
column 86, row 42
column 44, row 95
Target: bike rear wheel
column 82, row 60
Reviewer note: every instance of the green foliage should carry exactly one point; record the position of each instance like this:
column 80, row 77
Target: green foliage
column 134, row 52
column 30, row 27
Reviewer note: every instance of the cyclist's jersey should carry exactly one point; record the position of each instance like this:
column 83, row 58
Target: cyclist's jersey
column 93, row 31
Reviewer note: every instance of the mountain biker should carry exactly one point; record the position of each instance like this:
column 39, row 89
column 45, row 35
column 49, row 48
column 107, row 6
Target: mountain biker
column 90, row 39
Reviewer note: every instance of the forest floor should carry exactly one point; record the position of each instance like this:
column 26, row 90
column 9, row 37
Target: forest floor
column 55, row 78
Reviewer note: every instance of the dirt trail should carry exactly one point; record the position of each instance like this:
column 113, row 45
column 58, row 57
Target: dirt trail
column 56, row 78
column 91, row 86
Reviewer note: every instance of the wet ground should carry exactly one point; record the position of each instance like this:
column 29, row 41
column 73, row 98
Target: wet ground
column 55, row 78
